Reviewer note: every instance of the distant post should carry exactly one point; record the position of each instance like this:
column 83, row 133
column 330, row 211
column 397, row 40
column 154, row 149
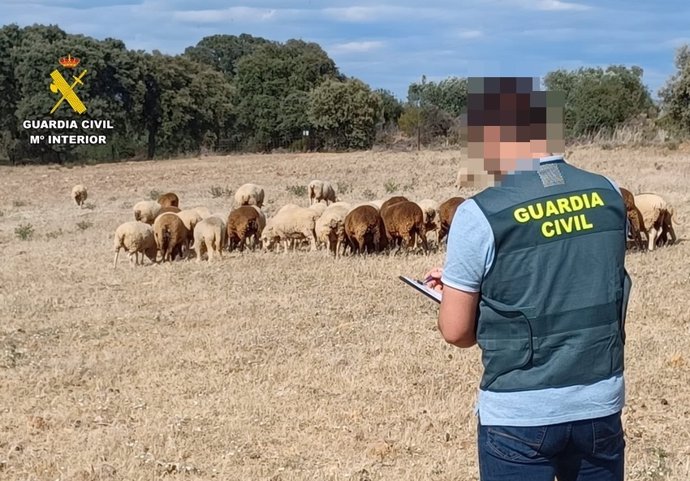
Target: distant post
column 305, row 136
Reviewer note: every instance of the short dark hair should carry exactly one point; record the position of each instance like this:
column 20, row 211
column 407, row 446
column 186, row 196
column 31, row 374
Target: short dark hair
column 513, row 103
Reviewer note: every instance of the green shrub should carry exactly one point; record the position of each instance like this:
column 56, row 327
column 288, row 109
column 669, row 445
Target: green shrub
column 297, row 190
column 24, row 231
column 391, row 186
column 83, row 225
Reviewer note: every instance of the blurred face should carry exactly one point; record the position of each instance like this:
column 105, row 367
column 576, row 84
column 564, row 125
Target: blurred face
column 500, row 151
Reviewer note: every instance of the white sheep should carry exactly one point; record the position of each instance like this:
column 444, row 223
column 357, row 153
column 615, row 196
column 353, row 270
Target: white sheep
column 210, row 236
column 293, row 223
column 249, row 194
column 377, row 203
column 79, row 195
column 146, row 211
column 190, row 218
column 430, row 216
column 135, row 237
column 657, row 215
column 330, row 226
column 319, row 208
column 321, row 190
column 202, row 211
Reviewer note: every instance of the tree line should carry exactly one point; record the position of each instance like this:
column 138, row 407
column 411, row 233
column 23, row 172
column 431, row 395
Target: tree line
column 248, row 93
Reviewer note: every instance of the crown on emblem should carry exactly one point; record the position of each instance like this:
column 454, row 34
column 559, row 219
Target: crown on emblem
column 69, row 61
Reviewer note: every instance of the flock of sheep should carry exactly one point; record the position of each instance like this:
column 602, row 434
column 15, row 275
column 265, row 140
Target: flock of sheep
column 162, row 231
column 163, row 227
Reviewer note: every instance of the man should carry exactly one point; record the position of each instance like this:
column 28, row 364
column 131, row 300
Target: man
column 535, row 276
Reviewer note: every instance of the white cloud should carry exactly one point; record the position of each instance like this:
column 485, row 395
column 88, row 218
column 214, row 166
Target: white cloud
column 558, row 5
column 383, row 12
column 237, row 14
column 356, row 47
column 467, row 34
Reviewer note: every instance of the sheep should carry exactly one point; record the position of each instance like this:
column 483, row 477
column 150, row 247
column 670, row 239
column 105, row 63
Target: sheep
column 404, row 221
column 135, row 237
column 635, row 221
column 376, row 203
column 364, row 230
column 203, row 212
column 169, row 199
column 319, row 208
column 667, row 227
column 171, row 209
column 210, row 236
column 294, row 223
column 446, row 212
column 321, row 190
column 146, row 211
column 171, row 235
column 79, row 195
column 245, row 222
column 430, row 211
column 393, row 200
column 190, row 218
column 330, row 226
column 249, row 194
column 657, row 217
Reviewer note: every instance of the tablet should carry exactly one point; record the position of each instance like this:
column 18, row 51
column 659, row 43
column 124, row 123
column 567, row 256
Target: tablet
column 419, row 286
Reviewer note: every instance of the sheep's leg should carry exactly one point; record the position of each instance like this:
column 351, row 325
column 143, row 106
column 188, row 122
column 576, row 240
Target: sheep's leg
column 209, row 249
column 651, row 235
column 197, row 249
column 117, row 253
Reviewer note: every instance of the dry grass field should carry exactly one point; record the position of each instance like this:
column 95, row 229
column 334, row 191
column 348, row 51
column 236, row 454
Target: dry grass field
column 268, row 366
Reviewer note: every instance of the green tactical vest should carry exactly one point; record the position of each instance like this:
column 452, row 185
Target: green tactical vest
column 552, row 305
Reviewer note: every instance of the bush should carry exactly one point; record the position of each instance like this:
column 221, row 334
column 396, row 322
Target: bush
column 83, row 225
column 24, row 231
column 54, row 234
column 297, row 190
column 368, row 194
column 218, row 191
column 391, row 186
column 343, row 187
column 18, row 203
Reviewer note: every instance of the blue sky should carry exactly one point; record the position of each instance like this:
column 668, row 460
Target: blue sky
column 390, row 45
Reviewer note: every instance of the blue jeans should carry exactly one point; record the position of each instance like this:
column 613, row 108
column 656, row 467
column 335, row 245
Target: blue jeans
column 577, row 451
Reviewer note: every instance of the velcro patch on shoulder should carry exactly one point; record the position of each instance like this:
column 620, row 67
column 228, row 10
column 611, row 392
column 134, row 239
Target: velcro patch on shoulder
column 550, row 175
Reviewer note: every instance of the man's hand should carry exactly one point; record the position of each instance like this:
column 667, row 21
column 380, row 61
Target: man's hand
column 432, row 279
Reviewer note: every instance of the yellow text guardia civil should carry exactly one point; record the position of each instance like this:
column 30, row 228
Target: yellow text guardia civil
column 560, row 206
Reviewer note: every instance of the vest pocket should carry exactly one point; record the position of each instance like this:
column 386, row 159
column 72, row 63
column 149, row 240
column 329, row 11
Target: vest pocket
column 505, row 338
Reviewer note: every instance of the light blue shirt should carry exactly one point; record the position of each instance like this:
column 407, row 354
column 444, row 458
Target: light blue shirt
column 469, row 257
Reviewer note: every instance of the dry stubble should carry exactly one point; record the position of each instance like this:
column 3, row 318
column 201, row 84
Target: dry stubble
column 280, row 367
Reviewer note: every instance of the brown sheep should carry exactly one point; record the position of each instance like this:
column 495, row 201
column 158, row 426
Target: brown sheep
column 243, row 223
column 364, row 230
column 667, row 228
column 171, row 235
column 446, row 212
column 634, row 218
column 393, row 200
column 169, row 199
column 168, row 210
column 404, row 222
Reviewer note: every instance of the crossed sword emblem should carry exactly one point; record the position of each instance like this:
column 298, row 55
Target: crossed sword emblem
column 60, row 85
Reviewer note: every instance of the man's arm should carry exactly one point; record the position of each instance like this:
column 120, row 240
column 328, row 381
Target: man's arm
column 469, row 256
column 457, row 318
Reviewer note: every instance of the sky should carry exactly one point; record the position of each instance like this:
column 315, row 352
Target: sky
column 391, row 45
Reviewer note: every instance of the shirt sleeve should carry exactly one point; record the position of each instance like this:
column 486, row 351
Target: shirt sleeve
column 470, row 250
